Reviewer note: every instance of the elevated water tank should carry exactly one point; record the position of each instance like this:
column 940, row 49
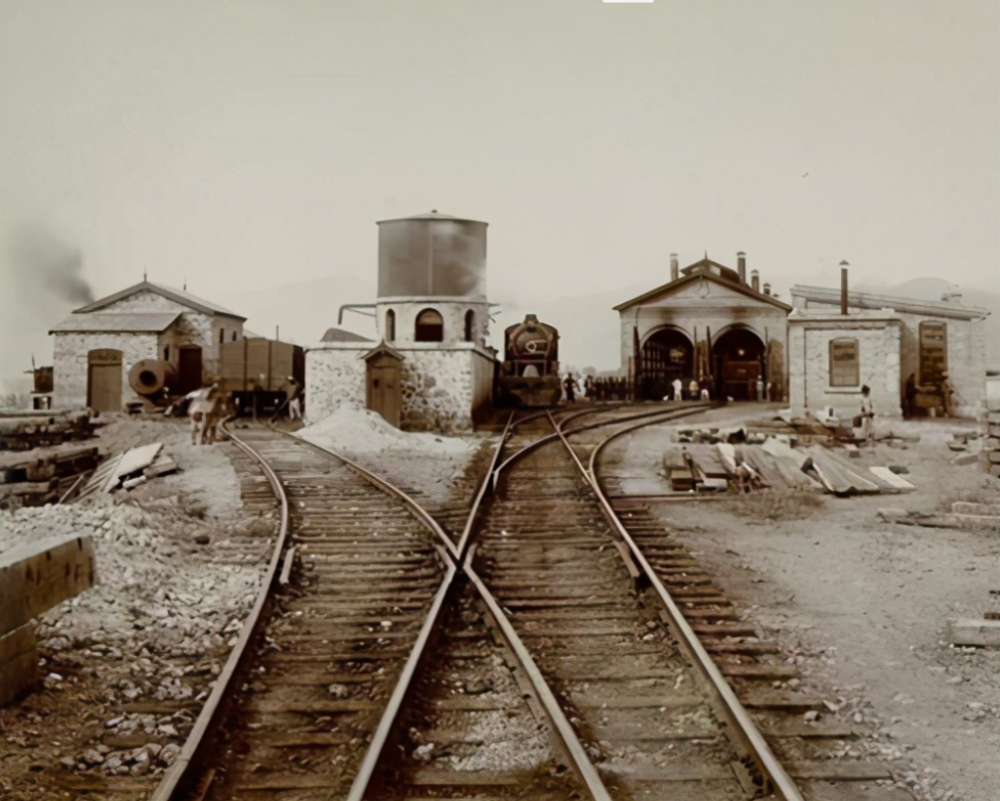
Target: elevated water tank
column 432, row 255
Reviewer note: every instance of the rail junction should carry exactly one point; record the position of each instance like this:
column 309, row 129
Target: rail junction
column 559, row 629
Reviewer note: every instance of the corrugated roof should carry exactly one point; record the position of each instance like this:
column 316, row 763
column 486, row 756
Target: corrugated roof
column 340, row 335
column 131, row 323
column 177, row 295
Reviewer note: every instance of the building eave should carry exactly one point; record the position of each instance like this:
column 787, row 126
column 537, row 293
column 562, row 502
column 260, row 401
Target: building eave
column 680, row 282
column 191, row 302
column 867, row 300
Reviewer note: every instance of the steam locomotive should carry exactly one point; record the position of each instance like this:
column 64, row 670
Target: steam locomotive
column 529, row 375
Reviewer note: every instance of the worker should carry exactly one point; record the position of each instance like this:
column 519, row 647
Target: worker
column 867, row 415
column 678, row 389
column 693, row 390
column 910, row 395
column 294, row 399
column 946, row 395
column 589, row 388
column 760, row 389
column 197, row 402
column 215, row 411
column 570, row 386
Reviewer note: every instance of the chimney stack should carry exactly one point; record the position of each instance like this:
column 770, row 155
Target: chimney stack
column 741, row 266
column 767, row 289
column 755, row 280
column 843, row 287
column 675, row 270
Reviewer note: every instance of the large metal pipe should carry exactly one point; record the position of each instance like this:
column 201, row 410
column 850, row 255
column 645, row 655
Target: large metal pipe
column 843, row 287
column 149, row 377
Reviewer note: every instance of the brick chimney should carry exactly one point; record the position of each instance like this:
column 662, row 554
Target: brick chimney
column 741, row 266
column 767, row 289
column 755, row 280
column 675, row 270
column 843, row 287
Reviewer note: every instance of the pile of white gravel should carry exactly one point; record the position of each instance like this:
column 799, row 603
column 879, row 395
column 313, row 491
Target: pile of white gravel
column 364, row 431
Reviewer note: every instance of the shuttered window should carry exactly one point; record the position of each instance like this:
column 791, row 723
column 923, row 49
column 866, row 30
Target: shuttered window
column 933, row 352
column 845, row 365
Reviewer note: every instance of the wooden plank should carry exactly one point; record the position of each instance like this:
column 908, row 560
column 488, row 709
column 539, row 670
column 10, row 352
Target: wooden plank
column 838, row 770
column 708, row 461
column 836, row 478
column 133, row 461
column 34, row 577
column 782, row 451
column 965, row 631
column 886, row 475
column 18, row 662
column 861, row 482
column 727, row 454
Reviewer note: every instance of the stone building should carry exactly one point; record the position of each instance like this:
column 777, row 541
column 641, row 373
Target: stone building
column 96, row 346
column 433, row 312
column 707, row 323
column 840, row 340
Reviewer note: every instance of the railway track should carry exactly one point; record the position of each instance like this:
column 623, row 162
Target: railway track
column 533, row 653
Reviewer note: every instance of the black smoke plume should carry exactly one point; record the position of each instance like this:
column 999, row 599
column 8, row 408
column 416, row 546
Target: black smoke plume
column 46, row 268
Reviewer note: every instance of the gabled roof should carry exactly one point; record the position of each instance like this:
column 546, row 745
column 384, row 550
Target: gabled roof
column 340, row 335
column 381, row 348
column 695, row 275
column 177, row 295
column 709, row 267
column 132, row 322
column 867, row 300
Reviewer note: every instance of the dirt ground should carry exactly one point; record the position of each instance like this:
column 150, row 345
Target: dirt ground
column 863, row 603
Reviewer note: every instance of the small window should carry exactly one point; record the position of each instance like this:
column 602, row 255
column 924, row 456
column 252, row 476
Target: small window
column 390, row 325
column 222, row 335
column 234, row 336
column 470, row 325
column 166, row 353
column 845, row 366
column 933, row 352
column 430, row 326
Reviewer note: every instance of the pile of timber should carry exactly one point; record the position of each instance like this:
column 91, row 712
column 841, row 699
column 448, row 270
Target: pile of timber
column 24, row 431
column 775, row 463
column 38, row 479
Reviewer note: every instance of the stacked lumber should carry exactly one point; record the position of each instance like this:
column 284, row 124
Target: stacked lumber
column 44, row 478
column 776, row 464
column 129, row 469
column 20, row 433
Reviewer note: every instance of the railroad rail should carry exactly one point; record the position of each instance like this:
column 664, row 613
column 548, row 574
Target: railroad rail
column 405, row 652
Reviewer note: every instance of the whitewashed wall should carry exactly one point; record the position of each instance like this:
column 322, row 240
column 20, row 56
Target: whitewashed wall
column 70, row 365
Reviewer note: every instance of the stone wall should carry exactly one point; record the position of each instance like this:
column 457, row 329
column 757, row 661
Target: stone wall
column 990, row 454
column 335, row 378
column 879, row 343
column 70, row 364
column 442, row 388
column 193, row 327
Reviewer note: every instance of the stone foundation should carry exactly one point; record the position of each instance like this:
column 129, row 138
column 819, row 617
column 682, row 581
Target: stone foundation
column 444, row 389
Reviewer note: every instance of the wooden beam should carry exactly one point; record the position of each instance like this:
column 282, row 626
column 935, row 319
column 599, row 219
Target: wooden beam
column 18, row 662
column 36, row 576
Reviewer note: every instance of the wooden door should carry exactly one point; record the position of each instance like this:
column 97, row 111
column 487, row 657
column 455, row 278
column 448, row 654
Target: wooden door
column 104, row 380
column 188, row 369
column 384, row 390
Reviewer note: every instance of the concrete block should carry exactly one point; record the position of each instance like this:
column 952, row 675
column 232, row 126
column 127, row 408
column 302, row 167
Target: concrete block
column 993, row 429
column 994, row 457
column 965, row 631
column 993, row 417
column 993, row 404
column 963, row 459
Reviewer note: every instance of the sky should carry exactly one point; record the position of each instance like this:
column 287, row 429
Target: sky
column 243, row 146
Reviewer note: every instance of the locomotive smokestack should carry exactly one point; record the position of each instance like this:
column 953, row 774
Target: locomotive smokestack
column 755, row 280
column 741, row 266
column 675, row 270
column 843, row 287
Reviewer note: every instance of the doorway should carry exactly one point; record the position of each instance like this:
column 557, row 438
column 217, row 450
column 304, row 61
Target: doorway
column 104, row 380
column 666, row 355
column 738, row 361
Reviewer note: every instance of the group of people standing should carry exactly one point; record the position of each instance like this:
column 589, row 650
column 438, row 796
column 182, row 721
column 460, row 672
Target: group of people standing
column 598, row 389
column 696, row 390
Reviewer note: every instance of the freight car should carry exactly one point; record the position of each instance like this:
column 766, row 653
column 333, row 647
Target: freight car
column 254, row 371
column 529, row 375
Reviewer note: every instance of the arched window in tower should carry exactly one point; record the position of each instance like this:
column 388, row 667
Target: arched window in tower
column 390, row 325
column 470, row 326
column 430, row 326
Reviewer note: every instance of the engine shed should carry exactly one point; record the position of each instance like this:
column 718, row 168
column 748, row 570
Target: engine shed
column 707, row 324
column 98, row 344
